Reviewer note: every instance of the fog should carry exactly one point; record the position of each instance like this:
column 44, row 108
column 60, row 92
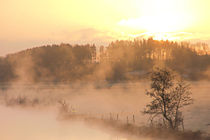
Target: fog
column 19, row 124
column 33, row 111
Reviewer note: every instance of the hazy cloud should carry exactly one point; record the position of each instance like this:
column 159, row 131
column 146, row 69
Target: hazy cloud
column 83, row 36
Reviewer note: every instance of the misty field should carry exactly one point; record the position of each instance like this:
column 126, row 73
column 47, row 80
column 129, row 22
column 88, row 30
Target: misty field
column 105, row 70
column 37, row 109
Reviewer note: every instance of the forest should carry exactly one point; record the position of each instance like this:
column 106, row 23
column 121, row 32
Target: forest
column 121, row 60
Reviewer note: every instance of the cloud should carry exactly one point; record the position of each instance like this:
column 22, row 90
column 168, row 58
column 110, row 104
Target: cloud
column 85, row 35
column 94, row 36
column 81, row 36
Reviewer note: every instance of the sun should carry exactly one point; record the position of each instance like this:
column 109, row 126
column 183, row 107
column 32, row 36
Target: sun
column 159, row 18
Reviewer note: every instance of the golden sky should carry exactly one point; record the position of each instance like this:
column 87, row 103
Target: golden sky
column 29, row 23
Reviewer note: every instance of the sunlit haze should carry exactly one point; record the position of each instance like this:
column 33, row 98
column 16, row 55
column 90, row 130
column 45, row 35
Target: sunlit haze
column 104, row 69
column 30, row 23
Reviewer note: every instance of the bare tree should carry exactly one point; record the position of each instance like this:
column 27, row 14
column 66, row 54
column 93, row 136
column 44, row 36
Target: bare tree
column 168, row 95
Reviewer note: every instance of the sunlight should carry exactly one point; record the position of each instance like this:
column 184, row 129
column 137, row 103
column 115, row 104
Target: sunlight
column 159, row 18
column 163, row 36
column 159, row 27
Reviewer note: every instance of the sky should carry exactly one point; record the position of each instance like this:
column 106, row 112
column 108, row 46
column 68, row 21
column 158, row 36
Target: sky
column 31, row 23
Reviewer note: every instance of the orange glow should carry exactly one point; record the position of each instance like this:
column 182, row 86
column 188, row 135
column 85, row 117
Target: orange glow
column 28, row 22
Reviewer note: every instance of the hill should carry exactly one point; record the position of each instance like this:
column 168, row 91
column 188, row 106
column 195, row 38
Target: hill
column 120, row 61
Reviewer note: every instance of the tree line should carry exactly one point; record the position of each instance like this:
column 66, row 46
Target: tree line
column 51, row 63
column 121, row 61
column 191, row 61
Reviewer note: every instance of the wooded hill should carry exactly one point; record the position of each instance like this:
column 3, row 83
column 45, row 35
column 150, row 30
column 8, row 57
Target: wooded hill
column 120, row 61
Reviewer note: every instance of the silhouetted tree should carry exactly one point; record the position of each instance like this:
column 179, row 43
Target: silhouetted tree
column 168, row 97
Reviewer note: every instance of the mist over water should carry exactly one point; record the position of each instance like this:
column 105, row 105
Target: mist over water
column 197, row 116
column 19, row 124
column 35, row 115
